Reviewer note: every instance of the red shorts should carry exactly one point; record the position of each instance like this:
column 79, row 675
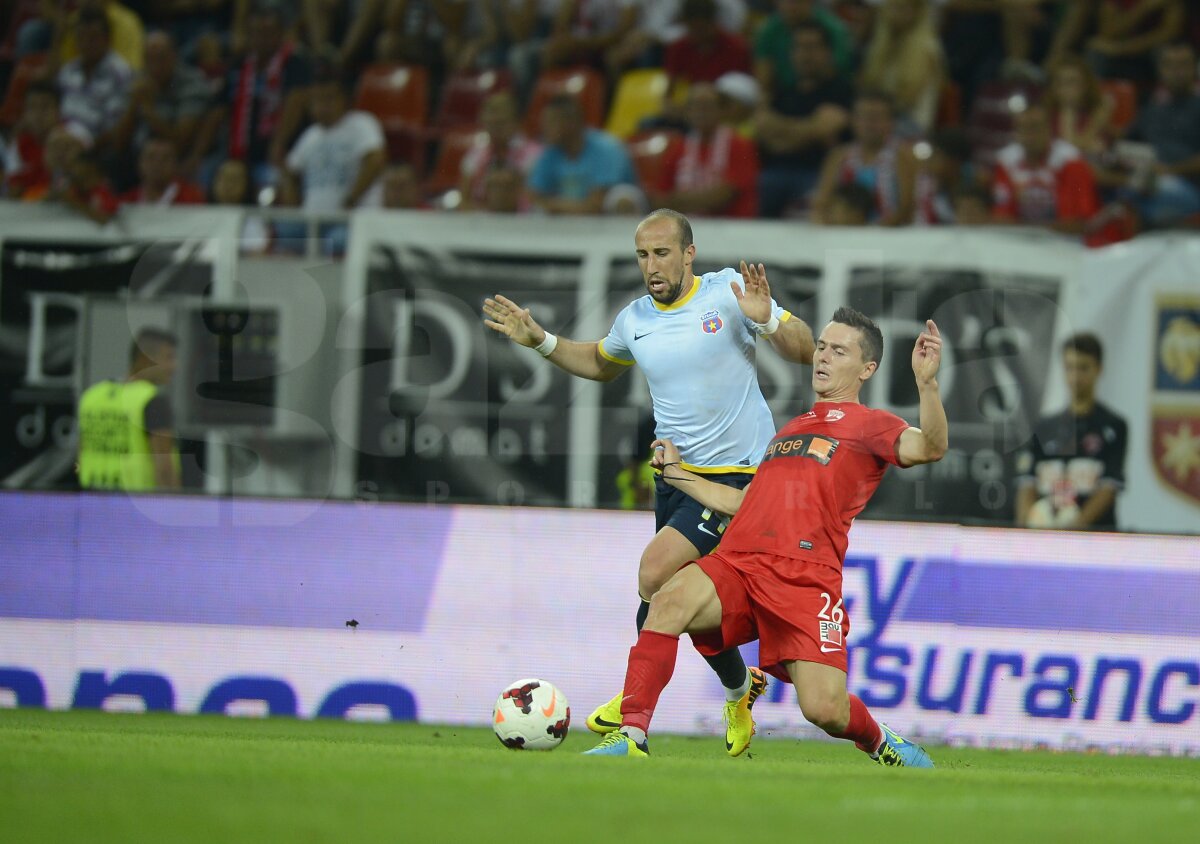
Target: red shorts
column 793, row 607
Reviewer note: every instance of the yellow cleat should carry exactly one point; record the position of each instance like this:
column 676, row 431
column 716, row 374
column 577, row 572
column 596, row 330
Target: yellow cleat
column 607, row 717
column 739, row 724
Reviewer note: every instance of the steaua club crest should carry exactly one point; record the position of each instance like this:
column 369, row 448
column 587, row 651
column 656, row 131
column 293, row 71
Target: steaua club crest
column 1175, row 421
column 711, row 322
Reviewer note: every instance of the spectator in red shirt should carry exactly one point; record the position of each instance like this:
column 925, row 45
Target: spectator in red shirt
column 502, row 144
column 26, row 160
column 714, row 170
column 706, row 52
column 1043, row 181
column 160, row 183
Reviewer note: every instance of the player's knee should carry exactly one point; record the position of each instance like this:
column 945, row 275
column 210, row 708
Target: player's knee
column 670, row 612
column 653, row 572
column 827, row 713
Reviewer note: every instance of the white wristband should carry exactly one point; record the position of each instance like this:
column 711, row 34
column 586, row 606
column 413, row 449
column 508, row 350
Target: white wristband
column 763, row 329
column 547, row 346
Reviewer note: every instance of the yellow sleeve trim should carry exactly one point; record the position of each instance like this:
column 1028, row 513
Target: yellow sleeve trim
column 607, row 356
column 785, row 316
column 719, row 470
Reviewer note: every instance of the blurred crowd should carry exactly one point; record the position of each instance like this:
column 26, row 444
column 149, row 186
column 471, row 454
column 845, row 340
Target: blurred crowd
column 1081, row 116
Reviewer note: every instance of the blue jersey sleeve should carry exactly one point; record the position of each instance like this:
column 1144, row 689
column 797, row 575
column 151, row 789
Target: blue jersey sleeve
column 615, row 347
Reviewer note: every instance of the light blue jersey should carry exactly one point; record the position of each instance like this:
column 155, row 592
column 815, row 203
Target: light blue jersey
column 698, row 357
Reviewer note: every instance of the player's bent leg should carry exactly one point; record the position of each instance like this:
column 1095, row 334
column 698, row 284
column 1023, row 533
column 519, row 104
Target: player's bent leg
column 821, row 692
column 666, row 554
column 687, row 603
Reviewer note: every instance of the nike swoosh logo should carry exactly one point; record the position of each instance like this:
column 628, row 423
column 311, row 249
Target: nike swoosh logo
column 706, row 530
column 637, row 336
column 549, row 710
column 828, row 649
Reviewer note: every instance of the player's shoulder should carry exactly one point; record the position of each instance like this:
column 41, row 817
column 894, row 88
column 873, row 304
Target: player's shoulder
column 720, row 277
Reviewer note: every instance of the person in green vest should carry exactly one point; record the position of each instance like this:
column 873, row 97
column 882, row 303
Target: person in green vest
column 126, row 428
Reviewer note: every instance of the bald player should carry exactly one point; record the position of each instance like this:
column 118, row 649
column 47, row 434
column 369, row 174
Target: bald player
column 695, row 338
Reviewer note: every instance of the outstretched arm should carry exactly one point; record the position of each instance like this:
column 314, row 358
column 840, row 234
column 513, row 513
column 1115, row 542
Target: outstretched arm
column 928, row 443
column 792, row 338
column 506, row 317
column 715, row 496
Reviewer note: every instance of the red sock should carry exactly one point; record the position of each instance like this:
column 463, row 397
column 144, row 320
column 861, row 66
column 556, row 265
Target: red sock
column 862, row 729
column 651, row 664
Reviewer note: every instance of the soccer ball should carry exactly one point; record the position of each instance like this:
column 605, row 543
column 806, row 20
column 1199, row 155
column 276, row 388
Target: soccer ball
column 531, row 715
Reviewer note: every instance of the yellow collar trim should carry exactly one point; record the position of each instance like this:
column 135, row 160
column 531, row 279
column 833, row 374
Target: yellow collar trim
column 683, row 300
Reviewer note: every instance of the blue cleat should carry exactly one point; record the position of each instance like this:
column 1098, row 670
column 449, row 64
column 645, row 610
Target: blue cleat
column 619, row 744
column 898, row 752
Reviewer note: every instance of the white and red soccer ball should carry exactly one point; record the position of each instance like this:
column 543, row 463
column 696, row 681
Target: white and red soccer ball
column 531, row 715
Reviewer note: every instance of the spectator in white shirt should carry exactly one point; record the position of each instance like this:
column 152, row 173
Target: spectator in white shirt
column 95, row 87
column 337, row 160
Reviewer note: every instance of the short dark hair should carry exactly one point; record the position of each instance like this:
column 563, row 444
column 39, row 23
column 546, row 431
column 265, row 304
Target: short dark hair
column 147, row 341
column 1085, row 343
column 871, row 338
column 681, row 223
column 813, row 26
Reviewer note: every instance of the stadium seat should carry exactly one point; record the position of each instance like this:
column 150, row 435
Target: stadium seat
column 640, row 94
column 990, row 126
column 398, row 95
column 463, row 95
column 26, row 70
column 1124, row 97
column 447, row 167
column 584, row 83
column 648, row 150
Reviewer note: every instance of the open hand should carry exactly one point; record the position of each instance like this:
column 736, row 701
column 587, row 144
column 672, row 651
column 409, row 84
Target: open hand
column 756, row 301
column 927, row 353
column 506, row 317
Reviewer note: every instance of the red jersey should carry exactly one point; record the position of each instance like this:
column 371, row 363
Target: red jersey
column 817, row 474
column 1059, row 188
column 727, row 158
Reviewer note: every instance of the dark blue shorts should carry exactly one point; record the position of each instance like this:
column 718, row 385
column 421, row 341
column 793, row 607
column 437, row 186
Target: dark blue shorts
column 701, row 526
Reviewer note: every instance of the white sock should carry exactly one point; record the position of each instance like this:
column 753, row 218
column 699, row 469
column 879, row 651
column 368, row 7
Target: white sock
column 638, row 736
column 734, row 695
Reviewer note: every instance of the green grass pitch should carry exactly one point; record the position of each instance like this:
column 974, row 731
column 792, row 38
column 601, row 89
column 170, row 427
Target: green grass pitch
column 99, row 777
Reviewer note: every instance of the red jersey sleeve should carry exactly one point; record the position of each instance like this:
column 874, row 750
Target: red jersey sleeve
column 1076, row 192
column 881, row 433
